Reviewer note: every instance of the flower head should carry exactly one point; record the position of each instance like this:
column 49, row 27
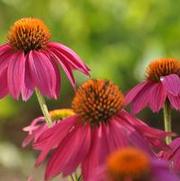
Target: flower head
column 30, row 60
column 131, row 164
column 162, row 83
column 38, row 125
column 99, row 126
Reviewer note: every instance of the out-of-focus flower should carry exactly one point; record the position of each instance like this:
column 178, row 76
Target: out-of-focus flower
column 29, row 60
column 172, row 155
column 162, row 83
column 130, row 164
column 38, row 125
column 99, row 126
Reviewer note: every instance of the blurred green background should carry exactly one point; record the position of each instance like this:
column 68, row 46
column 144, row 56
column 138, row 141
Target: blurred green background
column 116, row 38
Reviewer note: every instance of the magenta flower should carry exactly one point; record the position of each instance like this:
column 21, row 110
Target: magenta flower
column 99, row 126
column 162, row 83
column 29, row 60
column 130, row 164
column 172, row 155
column 38, row 125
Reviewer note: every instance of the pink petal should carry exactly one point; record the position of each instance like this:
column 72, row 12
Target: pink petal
column 43, row 73
column 53, row 136
column 175, row 101
column 98, row 153
column 155, row 137
column 172, row 84
column 16, row 70
column 71, row 57
column 28, row 86
column 142, row 98
column 67, row 69
column 134, row 92
column 5, row 49
column 65, row 159
column 158, row 96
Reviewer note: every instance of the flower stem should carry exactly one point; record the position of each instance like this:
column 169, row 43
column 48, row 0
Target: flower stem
column 167, row 120
column 43, row 107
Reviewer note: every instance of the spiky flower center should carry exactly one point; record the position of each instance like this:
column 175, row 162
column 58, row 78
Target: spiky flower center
column 59, row 114
column 97, row 100
column 162, row 67
column 128, row 164
column 28, row 34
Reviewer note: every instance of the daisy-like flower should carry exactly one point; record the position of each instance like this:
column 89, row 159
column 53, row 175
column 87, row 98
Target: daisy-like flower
column 30, row 60
column 99, row 126
column 130, row 164
column 172, row 155
column 38, row 125
column 162, row 83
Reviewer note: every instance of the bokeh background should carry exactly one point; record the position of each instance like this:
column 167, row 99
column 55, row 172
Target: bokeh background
column 116, row 38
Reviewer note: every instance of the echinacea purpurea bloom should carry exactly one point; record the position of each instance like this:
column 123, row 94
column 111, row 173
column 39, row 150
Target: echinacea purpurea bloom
column 99, row 126
column 39, row 125
column 172, row 155
column 132, row 164
column 30, row 60
column 162, row 84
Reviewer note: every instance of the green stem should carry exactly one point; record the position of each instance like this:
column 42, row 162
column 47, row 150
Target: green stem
column 167, row 120
column 43, row 107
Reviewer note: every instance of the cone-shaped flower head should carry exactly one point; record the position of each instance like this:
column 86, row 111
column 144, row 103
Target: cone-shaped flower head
column 99, row 126
column 131, row 164
column 96, row 101
column 162, row 83
column 30, row 60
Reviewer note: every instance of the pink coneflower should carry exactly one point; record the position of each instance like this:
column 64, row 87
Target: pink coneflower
column 162, row 83
column 29, row 60
column 130, row 164
column 39, row 125
column 172, row 155
column 99, row 126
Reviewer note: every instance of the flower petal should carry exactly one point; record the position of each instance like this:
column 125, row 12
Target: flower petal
column 43, row 73
column 65, row 159
column 175, row 101
column 134, row 91
column 70, row 56
column 172, row 84
column 16, row 70
column 141, row 98
column 158, row 97
column 67, row 69
column 52, row 137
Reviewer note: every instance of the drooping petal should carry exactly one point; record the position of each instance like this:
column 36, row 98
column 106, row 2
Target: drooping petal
column 70, row 152
column 16, row 70
column 28, row 86
column 98, row 152
column 175, row 101
column 53, row 136
column 155, row 137
column 70, row 56
column 67, row 69
column 142, row 97
column 5, row 49
column 43, row 73
column 172, row 84
column 134, row 91
column 158, row 97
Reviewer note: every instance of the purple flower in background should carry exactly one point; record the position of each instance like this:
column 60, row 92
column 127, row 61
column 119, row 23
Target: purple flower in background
column 162, row 83
column 172, row 155
column 29, row 60
column 130, row 164
column 100, row 125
